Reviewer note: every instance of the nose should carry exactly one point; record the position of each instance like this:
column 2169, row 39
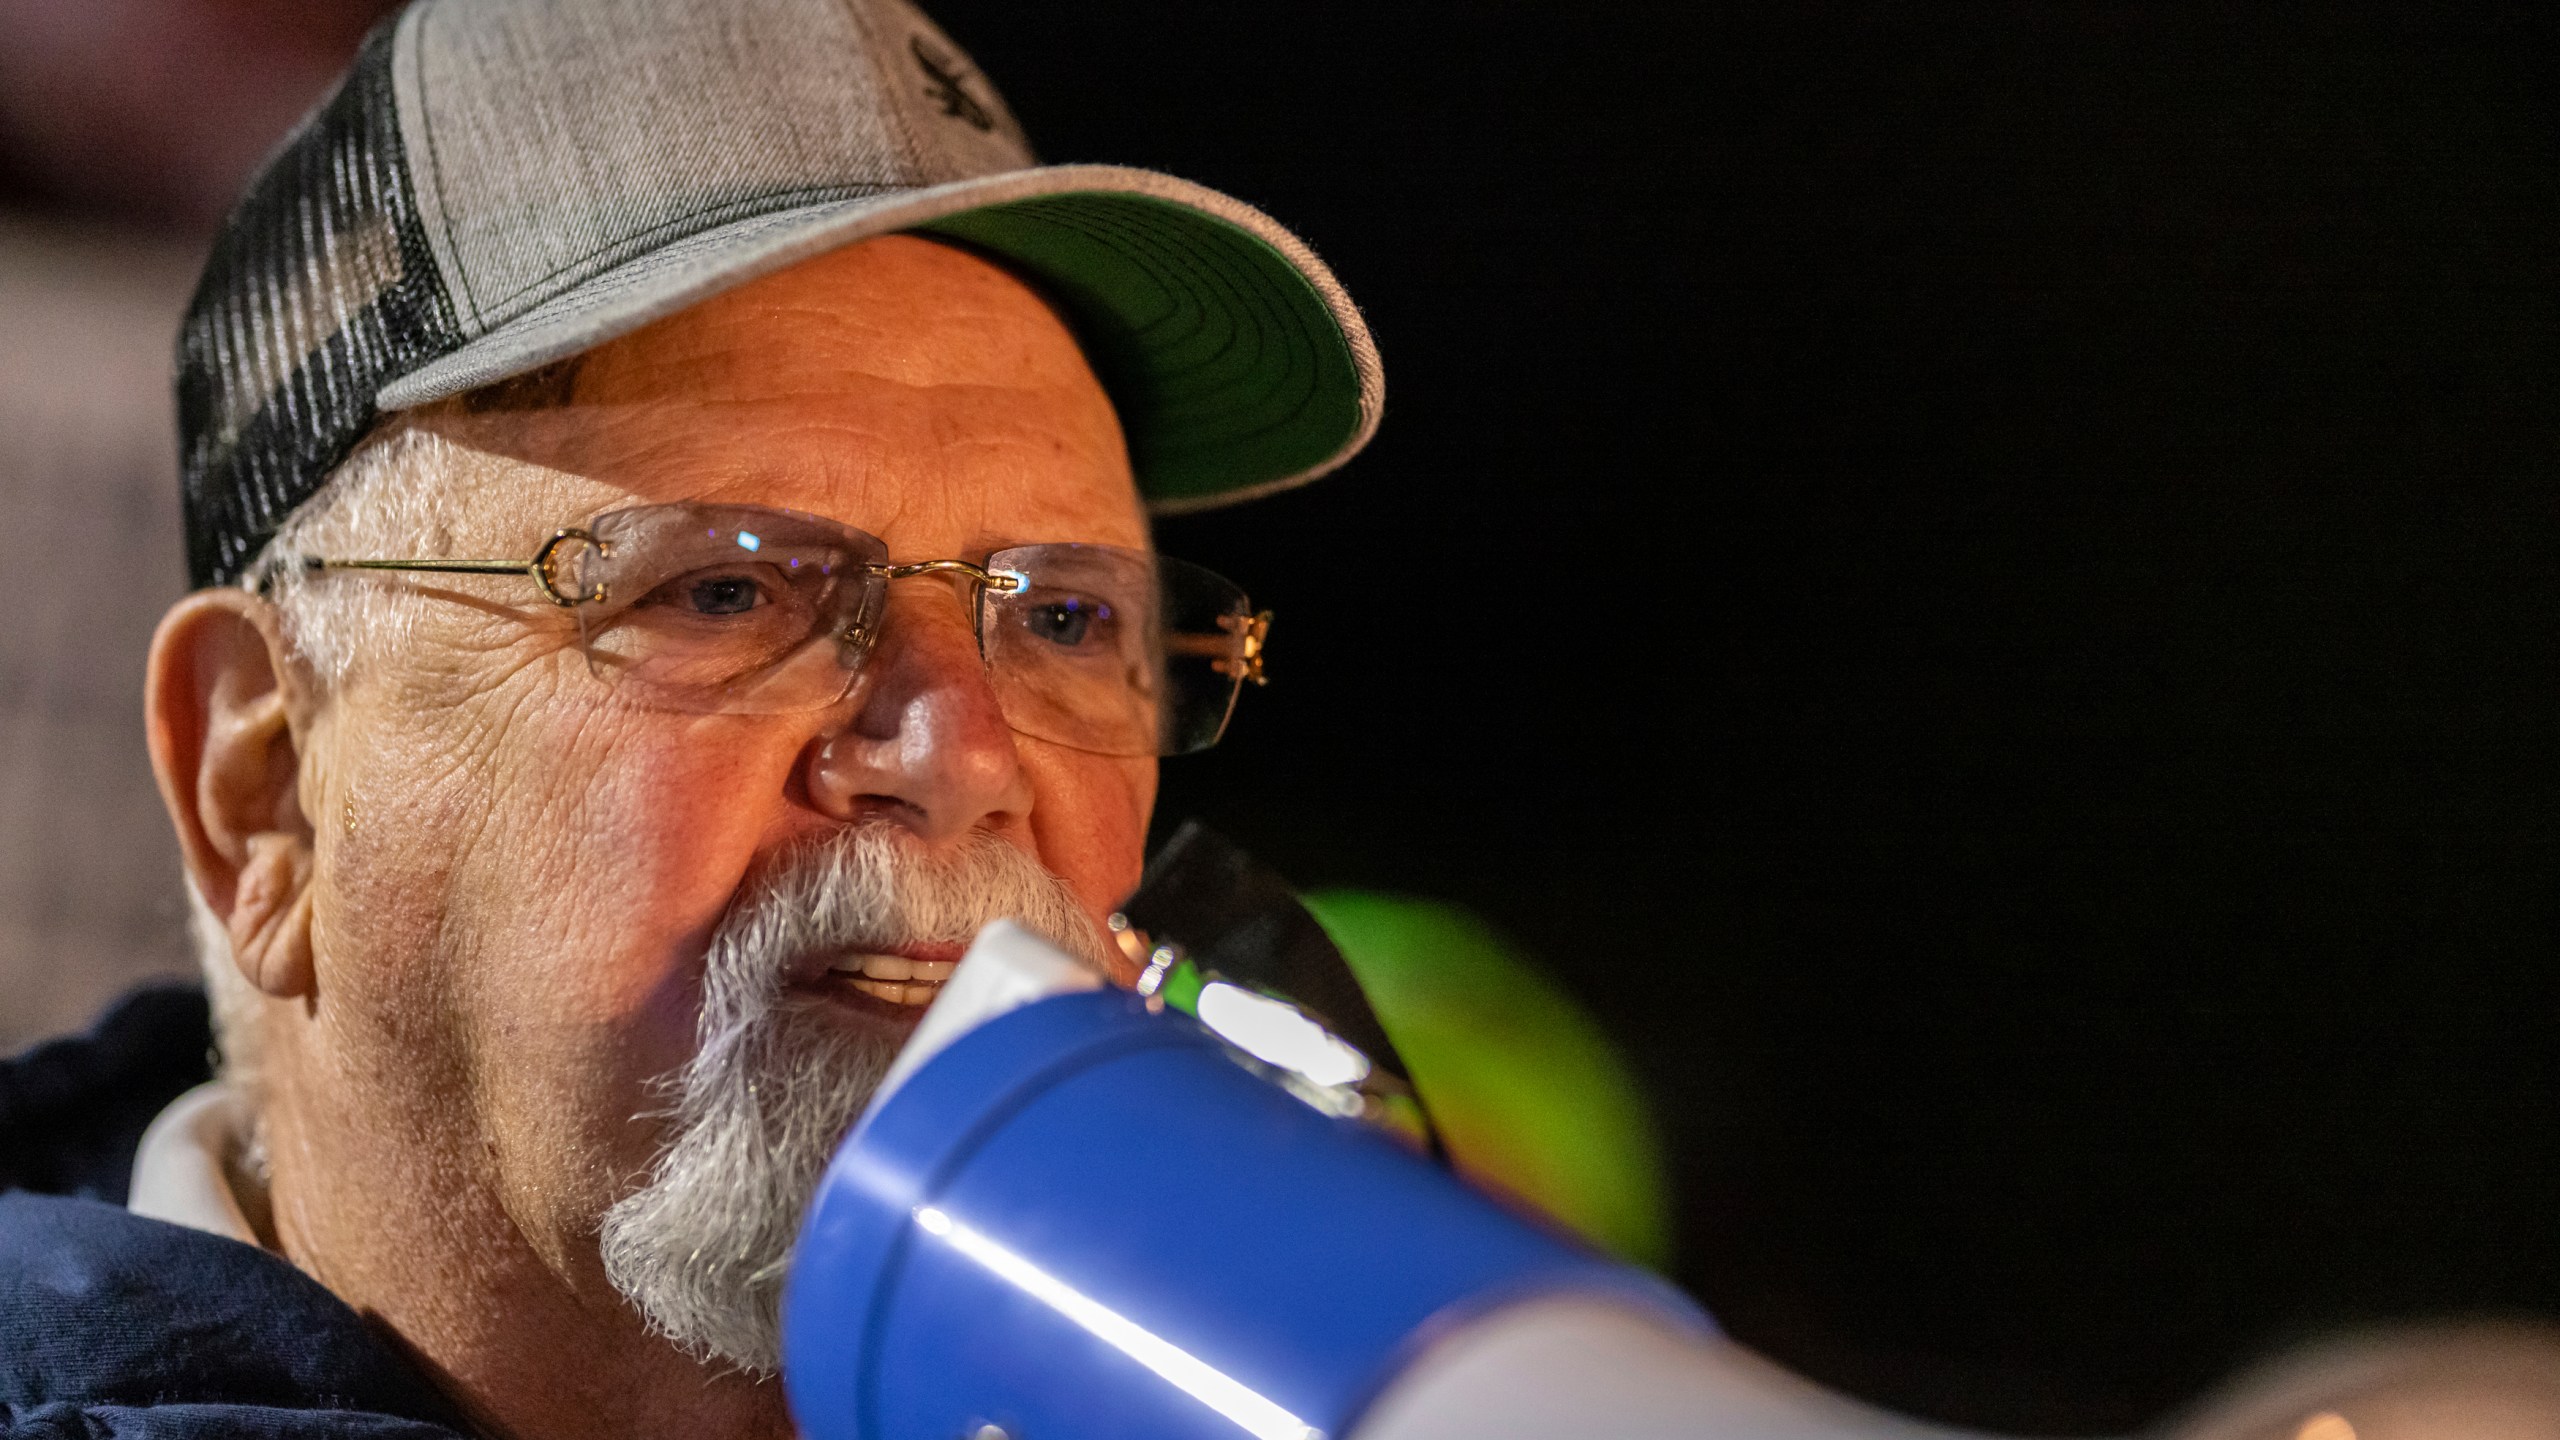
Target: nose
column 926, row 745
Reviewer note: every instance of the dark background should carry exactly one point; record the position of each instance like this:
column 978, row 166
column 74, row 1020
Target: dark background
column 1980, row 579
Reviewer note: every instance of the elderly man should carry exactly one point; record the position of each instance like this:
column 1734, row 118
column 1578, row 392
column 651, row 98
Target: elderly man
column 667, row 484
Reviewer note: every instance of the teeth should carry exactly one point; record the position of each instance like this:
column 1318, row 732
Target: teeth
column 895, row 978
column 891, row 990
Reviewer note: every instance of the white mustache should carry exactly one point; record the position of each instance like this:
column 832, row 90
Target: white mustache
column 874, row 888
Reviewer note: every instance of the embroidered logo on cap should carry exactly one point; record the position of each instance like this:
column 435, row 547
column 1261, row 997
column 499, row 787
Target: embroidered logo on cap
column 948, row 82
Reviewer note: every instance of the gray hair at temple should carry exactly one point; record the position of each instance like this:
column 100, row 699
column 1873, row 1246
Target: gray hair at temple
column 403, row 489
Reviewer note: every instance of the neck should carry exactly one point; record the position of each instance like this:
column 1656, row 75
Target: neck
column 527, row 1338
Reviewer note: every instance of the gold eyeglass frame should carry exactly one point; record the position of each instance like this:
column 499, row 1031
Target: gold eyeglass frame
column 1252, row 631
column 540, row 569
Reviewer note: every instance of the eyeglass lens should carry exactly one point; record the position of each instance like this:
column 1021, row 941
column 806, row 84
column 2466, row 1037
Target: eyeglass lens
column 747, row 610
column 1112, row 650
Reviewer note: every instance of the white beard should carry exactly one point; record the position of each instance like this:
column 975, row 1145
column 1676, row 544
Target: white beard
column 703, row 1247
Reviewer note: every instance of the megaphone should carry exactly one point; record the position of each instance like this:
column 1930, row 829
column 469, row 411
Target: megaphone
column 1074, row 1212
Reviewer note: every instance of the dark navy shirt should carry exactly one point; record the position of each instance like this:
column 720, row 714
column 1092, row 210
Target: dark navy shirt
column 112, row 1325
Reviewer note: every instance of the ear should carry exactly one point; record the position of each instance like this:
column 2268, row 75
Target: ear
column 224, row 706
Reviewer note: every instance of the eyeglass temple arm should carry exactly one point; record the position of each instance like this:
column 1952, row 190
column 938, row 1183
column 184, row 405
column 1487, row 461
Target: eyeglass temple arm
column 445, row 567
column 538, row 569
column 1238, row 652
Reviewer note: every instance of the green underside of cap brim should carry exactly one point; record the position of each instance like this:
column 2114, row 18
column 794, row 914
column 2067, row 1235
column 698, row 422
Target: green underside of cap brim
column 1229, row 371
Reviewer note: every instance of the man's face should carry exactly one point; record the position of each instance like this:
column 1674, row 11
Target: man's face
column 516, row 870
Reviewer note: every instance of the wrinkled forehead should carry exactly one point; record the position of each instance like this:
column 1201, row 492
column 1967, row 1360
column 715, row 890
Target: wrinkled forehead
column 901, row 385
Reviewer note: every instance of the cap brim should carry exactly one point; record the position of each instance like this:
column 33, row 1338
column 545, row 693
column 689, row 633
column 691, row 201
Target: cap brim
column 1237, row 363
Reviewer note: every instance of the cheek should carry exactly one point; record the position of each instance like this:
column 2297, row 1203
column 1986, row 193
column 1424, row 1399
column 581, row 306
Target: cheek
column 625, row 836
column 528, row 900
column 1089, row 820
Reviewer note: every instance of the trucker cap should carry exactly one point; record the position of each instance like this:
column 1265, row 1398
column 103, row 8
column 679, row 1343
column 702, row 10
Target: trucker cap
column 499, row 184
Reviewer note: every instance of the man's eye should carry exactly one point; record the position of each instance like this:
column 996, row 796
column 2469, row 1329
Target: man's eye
column 718, row 594
column 1066, row 622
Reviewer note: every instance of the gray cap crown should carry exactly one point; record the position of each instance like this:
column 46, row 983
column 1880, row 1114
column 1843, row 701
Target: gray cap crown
column 551, row 142
column 502, row 183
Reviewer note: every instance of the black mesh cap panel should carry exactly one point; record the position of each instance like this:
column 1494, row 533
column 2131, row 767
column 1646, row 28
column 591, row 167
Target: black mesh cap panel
column 320, row 288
